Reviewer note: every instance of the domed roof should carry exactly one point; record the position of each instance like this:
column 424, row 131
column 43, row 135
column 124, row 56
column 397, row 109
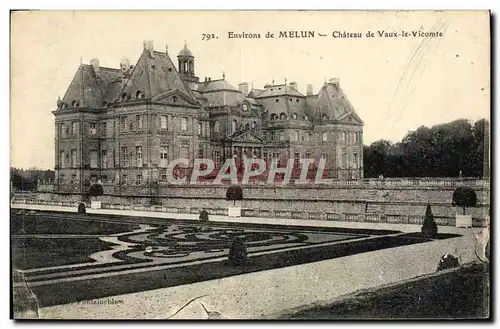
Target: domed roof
column 185, row 52
column 216, row 85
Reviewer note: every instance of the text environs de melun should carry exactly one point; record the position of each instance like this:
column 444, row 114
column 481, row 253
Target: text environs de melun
column 334, row 34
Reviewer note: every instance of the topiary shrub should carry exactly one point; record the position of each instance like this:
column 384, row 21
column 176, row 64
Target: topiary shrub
column 81, row 208
column 447, row 261
column 204, row 216
column 464, row 197
column 429, row 228
column 238, row 254
column 234, row 192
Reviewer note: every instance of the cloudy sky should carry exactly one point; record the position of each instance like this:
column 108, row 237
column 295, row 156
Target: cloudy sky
column 395, row 84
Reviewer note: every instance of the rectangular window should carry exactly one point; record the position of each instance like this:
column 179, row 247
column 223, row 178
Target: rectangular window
column 342, row 137
column 273, row 136
column 324, row 137
column 104, row 159
column 73, row 158
column 296, row 160
column 217, row 159
column 200, row 128
column 163, row 174
column 74, row 128
column 200, row 153
column 163, row 156
column 355, row 161
column 138, row 121
column 63, row 130
column 138, row 180
column 93, row 159
column 104, row 129
column 282, row 136
column 62, row 159
column 92, row 129
column 73, row 178
column 124, row 179
column 184, row 152
column 183, row 124
column 163, row 122
column 104, row 178
column 216, row 127
column 123, row 123
column 124, row 157
column 138, row 154
column 344, row 160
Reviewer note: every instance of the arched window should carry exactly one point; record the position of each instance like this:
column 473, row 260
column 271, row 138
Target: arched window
column 124, row 97
column 273, row 116
column 294, row 115
column 174, row 99
column 306, row 117
column 324, row 117
column 74, row 103
column 138, row 94
column 234, row 124
column 254, row 125
column 247, row 126
column 282, row 116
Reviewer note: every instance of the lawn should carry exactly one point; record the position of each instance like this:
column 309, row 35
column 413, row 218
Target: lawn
column 463, row 293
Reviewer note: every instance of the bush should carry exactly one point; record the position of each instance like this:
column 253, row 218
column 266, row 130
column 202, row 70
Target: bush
column 464, row 197
column 204, row 216
column 238, row 254
column 234, row 192
column 81, row 208
column 447, row 261
column 429, row 228
column 96, row 190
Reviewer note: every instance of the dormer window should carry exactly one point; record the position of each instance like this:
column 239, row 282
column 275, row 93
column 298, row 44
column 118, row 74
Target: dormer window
column 138, row 94
column 297, row 100
column 282, row 116
column 294, row 115
column 306, row 117
column 169, row 69
column 74, row 103
column 124, row 97
column 273, row 116
column 174, row 99
column 324, row 117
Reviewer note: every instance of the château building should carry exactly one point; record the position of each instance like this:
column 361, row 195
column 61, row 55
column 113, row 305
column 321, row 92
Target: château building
column 123, row 126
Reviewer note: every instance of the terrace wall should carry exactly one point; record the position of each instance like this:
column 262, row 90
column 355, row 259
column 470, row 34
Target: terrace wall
column 386, row 201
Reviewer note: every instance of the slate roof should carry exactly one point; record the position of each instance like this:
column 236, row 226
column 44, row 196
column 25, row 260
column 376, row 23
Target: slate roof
column 153, row 75
column 279, row 90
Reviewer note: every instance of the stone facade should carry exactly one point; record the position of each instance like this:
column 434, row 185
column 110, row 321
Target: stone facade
column 123, row 126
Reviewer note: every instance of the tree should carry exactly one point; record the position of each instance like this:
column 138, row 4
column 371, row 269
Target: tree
column 238, row 253
column 234, row 192
column 429, row 228
column 96, row 190
column 464, row 197
column 204, row 216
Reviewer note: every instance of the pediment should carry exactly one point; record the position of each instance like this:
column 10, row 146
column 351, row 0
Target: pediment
column 350, row 118
column 175, row 97
column 247, row 137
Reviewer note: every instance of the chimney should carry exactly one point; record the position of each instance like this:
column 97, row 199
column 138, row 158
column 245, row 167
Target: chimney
column 309, row 90
column 294, row 85
column 148, row 45
column 243, row 87
column 124, row 64
column 95, row 64
column 166, row 49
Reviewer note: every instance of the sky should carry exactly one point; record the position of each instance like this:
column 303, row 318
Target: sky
column 395, row 84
